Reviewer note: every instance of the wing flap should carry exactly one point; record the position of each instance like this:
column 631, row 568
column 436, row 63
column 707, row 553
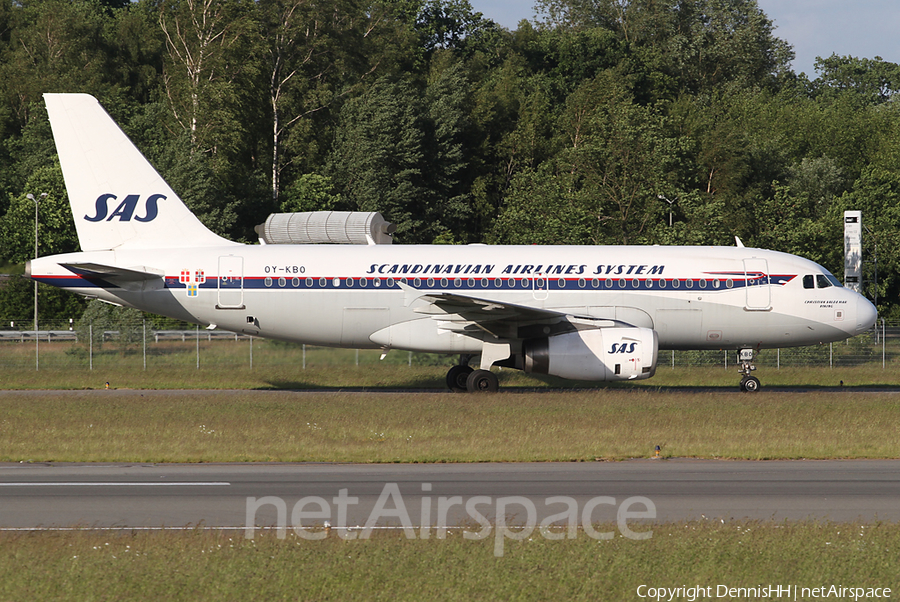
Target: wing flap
column 474, row 309
column 465, row 314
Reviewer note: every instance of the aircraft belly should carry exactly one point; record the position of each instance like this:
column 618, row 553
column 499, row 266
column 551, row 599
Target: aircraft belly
column 312, row 317
column 678, row 328
column 358, row 323
column 423, row 334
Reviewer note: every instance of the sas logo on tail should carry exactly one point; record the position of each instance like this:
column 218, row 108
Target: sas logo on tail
column 125, row 209
column 623, row 347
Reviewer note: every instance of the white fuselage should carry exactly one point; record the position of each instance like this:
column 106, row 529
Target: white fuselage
column 351, row 295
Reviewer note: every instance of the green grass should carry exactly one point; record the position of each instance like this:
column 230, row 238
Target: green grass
column 227, row 365
column 528, row 422
column 209, row 426
column 208, row 565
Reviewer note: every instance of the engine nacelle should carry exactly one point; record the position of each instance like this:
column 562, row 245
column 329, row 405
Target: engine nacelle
column 597, row 354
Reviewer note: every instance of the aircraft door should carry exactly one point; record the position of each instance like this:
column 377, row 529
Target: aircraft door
column 231, row 282
column 759, row 294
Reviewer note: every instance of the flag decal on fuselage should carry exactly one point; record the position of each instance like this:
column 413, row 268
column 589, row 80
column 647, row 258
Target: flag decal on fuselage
column 192, row 279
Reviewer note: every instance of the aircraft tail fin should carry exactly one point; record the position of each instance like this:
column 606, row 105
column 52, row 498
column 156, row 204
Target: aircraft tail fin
column 118, row 199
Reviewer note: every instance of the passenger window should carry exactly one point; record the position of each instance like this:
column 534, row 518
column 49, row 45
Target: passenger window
column 822, row 281
column 808, row 281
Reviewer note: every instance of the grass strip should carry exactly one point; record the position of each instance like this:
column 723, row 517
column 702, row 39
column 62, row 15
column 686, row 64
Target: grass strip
column 209, row 565
column 245, row 426
column 272, row 365
column 392, row 377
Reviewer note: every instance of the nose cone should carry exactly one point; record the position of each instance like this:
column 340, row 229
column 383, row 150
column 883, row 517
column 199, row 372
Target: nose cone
column 28, row 268
column 866, row 314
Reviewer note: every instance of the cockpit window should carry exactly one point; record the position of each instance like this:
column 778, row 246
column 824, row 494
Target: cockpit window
column 820, row 281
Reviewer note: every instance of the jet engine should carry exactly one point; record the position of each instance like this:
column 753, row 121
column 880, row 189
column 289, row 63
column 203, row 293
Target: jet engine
column 597, row 354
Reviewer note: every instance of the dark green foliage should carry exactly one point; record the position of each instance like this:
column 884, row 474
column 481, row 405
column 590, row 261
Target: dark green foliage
column 872, row 80
column 310, row 192
column 56, row 228
column 566, row 130
column 17, row 302
column 99, row 318
column 399, row 150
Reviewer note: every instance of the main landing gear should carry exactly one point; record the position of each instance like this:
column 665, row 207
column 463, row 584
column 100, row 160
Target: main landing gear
column 749, row 384
column 458, row 375
column 462, row 377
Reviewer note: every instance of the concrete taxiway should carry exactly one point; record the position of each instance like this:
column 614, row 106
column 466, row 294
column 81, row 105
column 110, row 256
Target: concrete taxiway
column 235, row 495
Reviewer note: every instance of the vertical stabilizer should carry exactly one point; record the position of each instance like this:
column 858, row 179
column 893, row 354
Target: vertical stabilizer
column 118, row 199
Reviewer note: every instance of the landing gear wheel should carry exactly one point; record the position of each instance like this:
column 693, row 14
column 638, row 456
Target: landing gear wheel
column 482, row 381
column 457, row 377
column 750, row 384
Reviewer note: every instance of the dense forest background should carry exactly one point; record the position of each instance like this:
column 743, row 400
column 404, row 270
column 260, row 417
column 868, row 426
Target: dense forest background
column 568, row 130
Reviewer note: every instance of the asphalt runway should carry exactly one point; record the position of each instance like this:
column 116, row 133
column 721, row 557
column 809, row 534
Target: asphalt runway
column 350, row 495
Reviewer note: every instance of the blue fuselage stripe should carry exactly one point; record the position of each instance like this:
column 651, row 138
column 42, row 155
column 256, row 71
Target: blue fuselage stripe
column 486, row 284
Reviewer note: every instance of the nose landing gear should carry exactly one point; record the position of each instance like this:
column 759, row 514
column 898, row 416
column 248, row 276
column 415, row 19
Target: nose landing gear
column 749, row 384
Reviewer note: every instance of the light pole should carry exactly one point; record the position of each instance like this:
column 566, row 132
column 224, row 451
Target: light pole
column 662, row 198
column 37, row 339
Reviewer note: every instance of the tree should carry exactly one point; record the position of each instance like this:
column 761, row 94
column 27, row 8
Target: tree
column 305, row 48
column 137, row 48
column 56, row 231
column 720, row 41
column 874, row 81
column 448, row 140
column 697, row 43
column 54, row 45
column 194, row 178
column 400, row 150
column 603, row 184
column 207, row 69
column 545, row 206
column 310, row 192
column 623, row 156
column 17, row 302
column 450, row 24
column 99, row 318
column 797, row 218
column 378, row 156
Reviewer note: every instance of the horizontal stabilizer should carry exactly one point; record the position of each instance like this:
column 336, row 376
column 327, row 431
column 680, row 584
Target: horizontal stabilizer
column 112, row 273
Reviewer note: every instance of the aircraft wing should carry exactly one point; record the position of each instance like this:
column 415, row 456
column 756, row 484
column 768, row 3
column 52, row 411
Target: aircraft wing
column 461, row 313
column 484, row 309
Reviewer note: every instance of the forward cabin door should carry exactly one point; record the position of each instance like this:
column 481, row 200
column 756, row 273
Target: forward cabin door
column 759, row 294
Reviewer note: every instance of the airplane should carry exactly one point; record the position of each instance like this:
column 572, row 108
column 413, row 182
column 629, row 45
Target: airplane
column 589, row 313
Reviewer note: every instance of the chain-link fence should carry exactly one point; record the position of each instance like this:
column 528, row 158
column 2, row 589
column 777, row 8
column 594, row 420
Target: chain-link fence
column 879, row 346
column 134, row 342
